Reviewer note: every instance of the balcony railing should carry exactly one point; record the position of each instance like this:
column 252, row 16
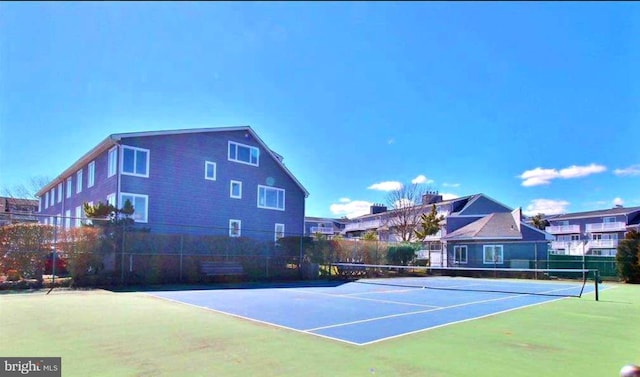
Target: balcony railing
column 322, row 229
column 602, row 244
column 607, row 227
column 560, row 229
column 569, row 247
column 363, row 225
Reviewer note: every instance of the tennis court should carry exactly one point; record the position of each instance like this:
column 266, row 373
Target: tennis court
column 367, row 311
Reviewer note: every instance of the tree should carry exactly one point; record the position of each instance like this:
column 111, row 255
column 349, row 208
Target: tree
column 539, row 221
column 406, row 207
column 28, row 190
column 627, row 257
column 429, row 224
column 370, row 236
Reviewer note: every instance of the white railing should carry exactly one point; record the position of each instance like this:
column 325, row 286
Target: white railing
column 322, row 229
column 363, row 225
column 569, row 247
column 607, row 227
column 434, row 237
column 556, row 229
column 602, row 244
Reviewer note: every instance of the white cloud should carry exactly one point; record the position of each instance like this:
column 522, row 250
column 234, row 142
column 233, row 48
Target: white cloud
column 448, row 196
column 631, row 170
column 618, row 201
column 351, row 209
column 386, row 186
column 421, row 179
column 454, row 185
column 540, row 176
column 546, row 206
column 391, row 141
column 344, row 200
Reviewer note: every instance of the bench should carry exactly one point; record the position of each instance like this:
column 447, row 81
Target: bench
column 221, row 268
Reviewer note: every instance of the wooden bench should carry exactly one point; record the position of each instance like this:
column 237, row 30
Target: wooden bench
column 221, row 269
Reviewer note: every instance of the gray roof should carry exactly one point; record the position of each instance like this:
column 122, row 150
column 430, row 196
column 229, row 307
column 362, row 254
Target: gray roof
column 598, row 213
column 500, row 225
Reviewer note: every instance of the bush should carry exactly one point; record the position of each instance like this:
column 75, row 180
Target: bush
column 627, row 257
column 401, row 255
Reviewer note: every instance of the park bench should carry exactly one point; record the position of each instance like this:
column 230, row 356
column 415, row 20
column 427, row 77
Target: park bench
column 214, row 269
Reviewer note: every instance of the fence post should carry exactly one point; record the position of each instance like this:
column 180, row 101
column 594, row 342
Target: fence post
column 124, row 224
column 181, row 252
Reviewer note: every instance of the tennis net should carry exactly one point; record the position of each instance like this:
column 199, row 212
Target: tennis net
column 546, row 282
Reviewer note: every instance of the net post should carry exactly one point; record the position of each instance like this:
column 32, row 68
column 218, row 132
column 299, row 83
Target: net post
column 597, row 280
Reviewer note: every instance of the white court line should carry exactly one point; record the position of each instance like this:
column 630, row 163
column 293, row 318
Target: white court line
column 349, row 296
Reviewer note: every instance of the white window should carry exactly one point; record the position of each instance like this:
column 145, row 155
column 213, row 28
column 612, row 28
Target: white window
column 210, row 170
column 279, row 233
column 140, row 205
column 460, row 254
column 67, row 218
column 113, row 161
column 492, row 254
column 270, row 198
column 235, row 190
column 91, row 174
column 244, row 154
column 46, row 200
column 69, row 185
column 609, row 220
column 78, row 219
column 79, row 181
column 235, row 228
column 111, row 199
column 59, row 192
column 53, row 197
column 135, row 161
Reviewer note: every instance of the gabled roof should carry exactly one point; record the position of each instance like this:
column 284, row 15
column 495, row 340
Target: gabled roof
column 597, row 213
column 113, row 139
column 499, row 225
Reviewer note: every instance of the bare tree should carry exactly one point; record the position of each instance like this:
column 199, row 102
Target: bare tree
column 28, row 190
column 405, row 208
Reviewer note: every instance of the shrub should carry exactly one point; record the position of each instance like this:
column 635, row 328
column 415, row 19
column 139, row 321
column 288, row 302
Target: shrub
column 401, row 255
column 627, row 257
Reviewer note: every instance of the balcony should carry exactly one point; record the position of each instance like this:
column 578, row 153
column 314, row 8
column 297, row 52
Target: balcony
column 322, row 229
column 602, row 244
column 607, row 227
column 363, row 225
column 569, row 247
column 563, row 229
column 434, row 237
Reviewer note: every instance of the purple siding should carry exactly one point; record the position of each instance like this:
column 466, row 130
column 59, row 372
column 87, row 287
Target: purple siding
column 180, row 199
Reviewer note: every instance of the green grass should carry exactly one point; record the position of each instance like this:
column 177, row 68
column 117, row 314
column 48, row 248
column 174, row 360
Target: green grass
column 100, row 333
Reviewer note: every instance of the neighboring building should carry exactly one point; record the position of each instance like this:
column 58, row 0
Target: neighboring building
column 474, row 228
column 16, row 210
column 325, row 226
column 593, row 232
column 221, row 181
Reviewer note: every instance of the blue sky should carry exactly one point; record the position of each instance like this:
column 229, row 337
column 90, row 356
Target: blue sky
column 533, row 104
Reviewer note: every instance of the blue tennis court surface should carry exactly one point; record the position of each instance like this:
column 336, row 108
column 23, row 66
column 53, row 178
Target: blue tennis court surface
column 368, row 311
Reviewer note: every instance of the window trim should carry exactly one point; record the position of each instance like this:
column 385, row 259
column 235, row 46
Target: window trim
column 215, row 170
column 230, row 143
column 112, row 162
column 53, row 197
column 60, row 192
column 46, row 200
column 135, row 149
column 484, row 254
column 455, row 254
column 122, row 199
column 275, row 236
column 272, row 188
column 79, row 181
column 231, row 234
column 91, row 174
column 239, row 196
column 69, row 186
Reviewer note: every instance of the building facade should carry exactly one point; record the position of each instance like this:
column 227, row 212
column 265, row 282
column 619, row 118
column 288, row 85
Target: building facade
column 218, row 181
column 592, row 233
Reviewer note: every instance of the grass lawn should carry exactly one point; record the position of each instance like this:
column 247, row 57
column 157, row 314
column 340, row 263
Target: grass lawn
column 102, row 333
